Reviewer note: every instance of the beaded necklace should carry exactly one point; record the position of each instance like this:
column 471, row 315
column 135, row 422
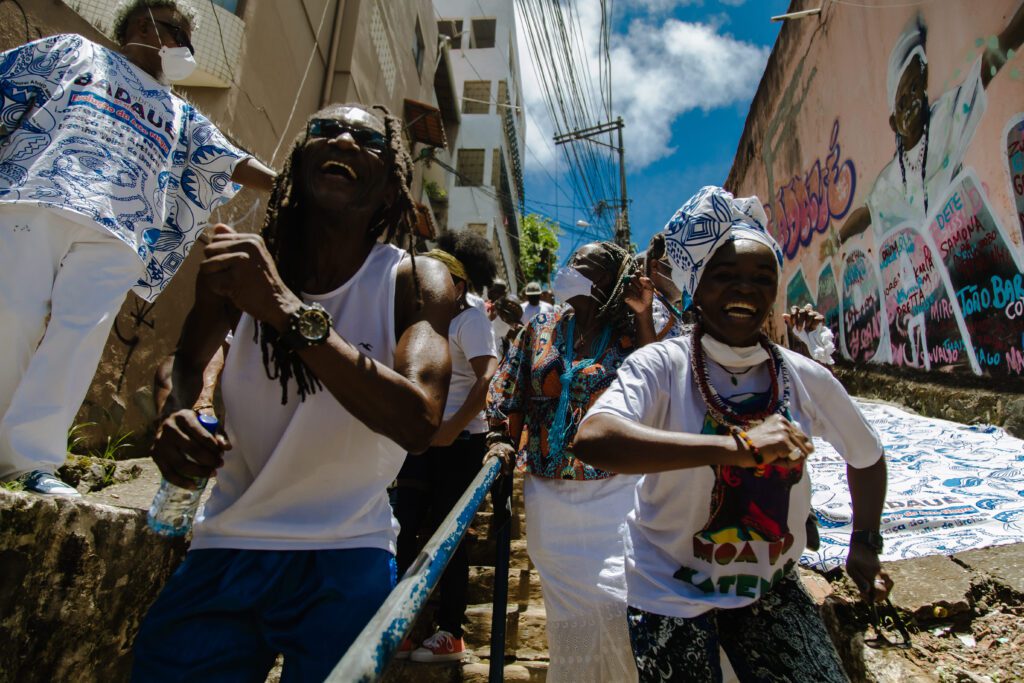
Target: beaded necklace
column 719, row 408
column 564, row 423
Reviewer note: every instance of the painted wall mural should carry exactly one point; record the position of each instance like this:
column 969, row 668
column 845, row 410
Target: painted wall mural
column 918, row 263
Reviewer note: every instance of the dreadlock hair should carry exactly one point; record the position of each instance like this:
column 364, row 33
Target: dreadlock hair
column 475, row 253
column 614, row 311
column 285, row 237
column 901, row 152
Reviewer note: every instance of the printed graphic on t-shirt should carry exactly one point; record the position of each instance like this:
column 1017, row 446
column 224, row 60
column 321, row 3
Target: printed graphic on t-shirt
column 747, row 525
column 85, row 130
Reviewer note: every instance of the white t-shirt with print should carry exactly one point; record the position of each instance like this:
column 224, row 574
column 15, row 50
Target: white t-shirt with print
column 704, row 537
column 469, row 336
column 530, row 310
column 89, row 133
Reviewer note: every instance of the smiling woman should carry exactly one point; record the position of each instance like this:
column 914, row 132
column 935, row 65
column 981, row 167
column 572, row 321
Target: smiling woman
column 718, row 421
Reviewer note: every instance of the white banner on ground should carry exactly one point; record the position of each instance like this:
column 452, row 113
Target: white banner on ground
column 952, row 488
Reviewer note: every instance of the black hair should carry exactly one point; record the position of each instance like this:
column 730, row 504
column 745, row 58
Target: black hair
column 927, row 113
column 284, row 234
column 614, row 310
column 130, row 9
column 475, row 253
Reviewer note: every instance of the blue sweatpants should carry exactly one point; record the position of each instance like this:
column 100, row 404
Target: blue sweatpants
column 225, row 615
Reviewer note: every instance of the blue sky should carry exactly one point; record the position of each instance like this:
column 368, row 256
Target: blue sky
column 683, row 75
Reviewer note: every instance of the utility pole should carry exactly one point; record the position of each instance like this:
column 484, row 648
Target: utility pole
column 622, row 224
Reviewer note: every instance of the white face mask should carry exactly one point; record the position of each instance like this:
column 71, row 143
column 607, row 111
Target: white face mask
column 177, row 63
column 570, row 283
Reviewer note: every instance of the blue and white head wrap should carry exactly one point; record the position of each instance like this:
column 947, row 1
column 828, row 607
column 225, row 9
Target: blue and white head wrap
column 705, row 222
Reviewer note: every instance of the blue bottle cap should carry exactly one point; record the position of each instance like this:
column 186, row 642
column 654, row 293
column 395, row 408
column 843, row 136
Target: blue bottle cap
column 210, row 423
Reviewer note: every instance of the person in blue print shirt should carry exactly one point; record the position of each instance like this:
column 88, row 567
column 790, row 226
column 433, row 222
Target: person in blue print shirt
column 106, row 180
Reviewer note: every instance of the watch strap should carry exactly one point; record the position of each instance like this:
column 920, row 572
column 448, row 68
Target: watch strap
column 294, row 338
column 872, row 539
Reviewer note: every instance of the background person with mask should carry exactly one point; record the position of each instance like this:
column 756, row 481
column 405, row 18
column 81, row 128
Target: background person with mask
column 106, row 179
column 556, row 368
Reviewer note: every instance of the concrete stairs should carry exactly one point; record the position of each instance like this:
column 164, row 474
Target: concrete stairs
column 526, row 648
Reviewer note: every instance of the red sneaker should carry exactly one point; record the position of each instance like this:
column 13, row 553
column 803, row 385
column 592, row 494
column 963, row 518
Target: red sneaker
column 405, row 648
column 440, row 647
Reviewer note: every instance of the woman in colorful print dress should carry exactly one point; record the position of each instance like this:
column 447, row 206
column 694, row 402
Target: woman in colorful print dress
column 557, row 366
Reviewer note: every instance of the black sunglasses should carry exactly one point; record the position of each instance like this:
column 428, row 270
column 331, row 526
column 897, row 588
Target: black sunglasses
column 331, row 128
column 178, row 34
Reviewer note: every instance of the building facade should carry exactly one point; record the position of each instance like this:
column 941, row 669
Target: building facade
column 887, row 145
column 264, row 67
column 485, row 191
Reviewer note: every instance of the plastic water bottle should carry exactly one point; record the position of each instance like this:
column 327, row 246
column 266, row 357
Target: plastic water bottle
column 174, row 508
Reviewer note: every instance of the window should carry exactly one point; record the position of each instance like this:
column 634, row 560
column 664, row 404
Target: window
column 483, row 33
column 478, row 229
column 418, row 48
column 470, row 167
column 453, row 29
column 496, row 167
column 476, row 97
column 233, row 6
column 503, row 92
column 381, row 43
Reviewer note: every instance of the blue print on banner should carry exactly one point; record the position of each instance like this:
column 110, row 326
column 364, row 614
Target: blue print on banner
column 952, row 489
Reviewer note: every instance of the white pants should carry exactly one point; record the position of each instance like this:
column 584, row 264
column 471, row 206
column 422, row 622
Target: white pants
column 574, row 537
column 62, row 283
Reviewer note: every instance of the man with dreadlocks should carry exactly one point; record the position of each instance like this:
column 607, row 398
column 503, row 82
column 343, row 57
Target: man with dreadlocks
column 106, row 180
column 557, row 367
column 337, row 366
column 931, row 137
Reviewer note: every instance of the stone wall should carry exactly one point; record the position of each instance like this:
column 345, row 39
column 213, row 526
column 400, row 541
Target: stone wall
column 75, row 581
column 948, row 397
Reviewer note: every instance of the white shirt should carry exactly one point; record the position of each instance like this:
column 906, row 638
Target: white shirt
column 529, row 310
column 469, row 336
column 98, row 138
column 307, row 475
column 704, row 538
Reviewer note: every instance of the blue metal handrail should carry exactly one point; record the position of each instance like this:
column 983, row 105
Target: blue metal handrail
column 373, row 649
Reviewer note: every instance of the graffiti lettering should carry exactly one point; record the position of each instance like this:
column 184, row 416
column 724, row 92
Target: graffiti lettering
column 1015, row 360
column 808, row 204
column 988, row 358
column 941, row 310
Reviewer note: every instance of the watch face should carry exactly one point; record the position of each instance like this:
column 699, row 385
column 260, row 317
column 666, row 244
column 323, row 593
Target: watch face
column 312, row 325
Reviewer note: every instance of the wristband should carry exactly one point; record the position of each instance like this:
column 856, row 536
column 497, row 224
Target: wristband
column 494, row 438
column 745, row 439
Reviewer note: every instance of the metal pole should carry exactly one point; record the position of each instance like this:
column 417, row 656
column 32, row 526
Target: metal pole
column 372, row 650
column 501, row 498
column 622, row 236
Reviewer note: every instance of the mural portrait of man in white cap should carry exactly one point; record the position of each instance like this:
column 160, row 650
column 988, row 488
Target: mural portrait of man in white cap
column 931, row 137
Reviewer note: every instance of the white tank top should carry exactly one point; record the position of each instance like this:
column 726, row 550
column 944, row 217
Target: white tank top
column 307, row 475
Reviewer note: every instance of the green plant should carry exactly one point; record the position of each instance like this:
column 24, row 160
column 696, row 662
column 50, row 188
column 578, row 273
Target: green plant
column 435, row 191
column 12, row 485
column 76, row 435
column 538, row 247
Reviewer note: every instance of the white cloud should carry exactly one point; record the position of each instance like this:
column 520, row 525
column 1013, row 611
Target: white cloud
column 661, row 69
column 657, row 6
column 732, row 3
